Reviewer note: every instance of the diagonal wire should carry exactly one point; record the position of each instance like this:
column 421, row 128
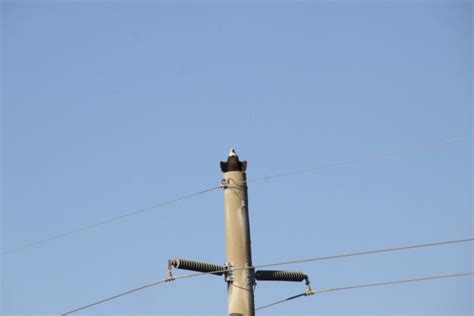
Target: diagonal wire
column 282, row 301
column 406, row 150
column 168, row 279
column 107, row 221
column 358, row 286
column 186, row 276
column 116, row 296
column 284, row 174
column 369, row 252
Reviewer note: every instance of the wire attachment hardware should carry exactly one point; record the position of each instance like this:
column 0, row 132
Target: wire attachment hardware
column 251, row 281
column 229, row 274
column 309, row 291
column 224, row 184
column 169, row 276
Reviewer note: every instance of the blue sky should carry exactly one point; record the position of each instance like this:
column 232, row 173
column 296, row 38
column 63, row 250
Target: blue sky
column 108, row 106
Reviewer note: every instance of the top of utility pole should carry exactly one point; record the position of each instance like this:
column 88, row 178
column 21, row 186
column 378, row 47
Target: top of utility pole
column 233, row 163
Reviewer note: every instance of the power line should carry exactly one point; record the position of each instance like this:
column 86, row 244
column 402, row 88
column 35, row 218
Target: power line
column 358, row 286
column 162, row 281
column 382, row 155
column 369, row 252
column 283, row 300
column 107, row 221
column 394, row 282
column 186, row 276
column 277, row 175
column 116, row 296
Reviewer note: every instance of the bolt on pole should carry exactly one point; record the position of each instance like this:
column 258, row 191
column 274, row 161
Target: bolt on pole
column 240, row 281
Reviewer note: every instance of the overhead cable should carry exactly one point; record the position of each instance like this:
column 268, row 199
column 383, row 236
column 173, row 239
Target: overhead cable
column 186, row 276
column 358, row 286
column 162, row 281
column 115, row 296
column 277, row 175
column 369, row 252
column 107, row 221
column 382, row 155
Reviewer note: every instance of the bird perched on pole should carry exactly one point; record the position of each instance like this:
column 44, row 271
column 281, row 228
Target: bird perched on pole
column 233, row 163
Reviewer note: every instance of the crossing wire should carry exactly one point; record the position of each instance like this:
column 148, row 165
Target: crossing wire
column 351, row 254
column 369, row 252
column 277, row 175
column 107, row 221
column 358, row 286
column 406, row 150
column 162, row 281
column 116, row 296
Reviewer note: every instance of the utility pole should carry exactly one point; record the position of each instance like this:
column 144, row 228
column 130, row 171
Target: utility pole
column 238, row 270
column 241, row 280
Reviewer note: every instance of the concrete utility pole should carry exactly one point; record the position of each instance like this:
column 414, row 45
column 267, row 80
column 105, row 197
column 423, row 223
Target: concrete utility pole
column 239, row 272
column 241, row 280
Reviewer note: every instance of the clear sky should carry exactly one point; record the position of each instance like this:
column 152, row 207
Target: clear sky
column 108, row 106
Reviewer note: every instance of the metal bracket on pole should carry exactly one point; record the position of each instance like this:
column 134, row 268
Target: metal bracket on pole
column 251, row 275
column 225, row 184
column 229, row 275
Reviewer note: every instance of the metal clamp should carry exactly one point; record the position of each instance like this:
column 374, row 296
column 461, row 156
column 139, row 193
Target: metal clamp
column 170, row 276
column 308, row 291
column 250, row 275
column 229, row 275
column 225, row 183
